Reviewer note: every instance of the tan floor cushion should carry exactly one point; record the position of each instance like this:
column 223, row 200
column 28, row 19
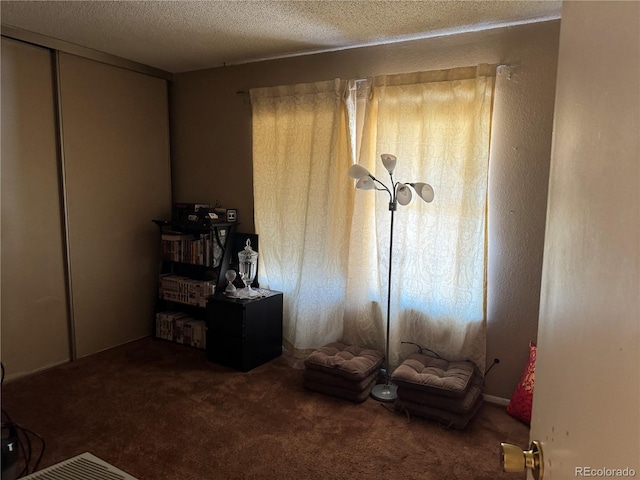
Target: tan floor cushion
column 342, row 370
column 434, row 375
column 347, row 361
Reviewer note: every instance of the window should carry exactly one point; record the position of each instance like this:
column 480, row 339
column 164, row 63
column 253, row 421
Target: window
column 327, row 247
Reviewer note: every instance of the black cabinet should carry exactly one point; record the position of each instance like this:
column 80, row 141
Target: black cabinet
column 244, row 333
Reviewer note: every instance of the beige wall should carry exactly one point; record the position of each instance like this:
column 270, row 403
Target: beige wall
column 211, row 153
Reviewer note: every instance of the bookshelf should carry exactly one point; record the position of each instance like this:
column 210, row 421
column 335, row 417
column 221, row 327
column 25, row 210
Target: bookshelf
column 193, row 260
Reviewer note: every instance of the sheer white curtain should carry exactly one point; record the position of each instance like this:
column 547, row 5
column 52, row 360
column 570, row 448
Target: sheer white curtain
column 303, row 205
column 438, row 125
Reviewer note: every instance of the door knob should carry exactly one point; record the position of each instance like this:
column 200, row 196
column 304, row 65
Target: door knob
column 514, row 459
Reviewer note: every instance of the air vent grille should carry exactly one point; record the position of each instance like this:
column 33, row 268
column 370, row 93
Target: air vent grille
column 82, row 467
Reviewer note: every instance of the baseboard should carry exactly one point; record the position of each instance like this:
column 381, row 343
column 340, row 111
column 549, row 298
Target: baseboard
column 503, row 402
column 15, row 376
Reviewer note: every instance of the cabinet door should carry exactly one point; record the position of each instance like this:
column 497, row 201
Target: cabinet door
column 227, row 350
column 35, row 332
column 226, row 317
column 117, row 172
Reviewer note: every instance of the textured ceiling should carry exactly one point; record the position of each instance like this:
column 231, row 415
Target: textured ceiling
column 179, row 36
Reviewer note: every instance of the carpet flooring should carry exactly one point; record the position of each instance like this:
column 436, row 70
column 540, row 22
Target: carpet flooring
column 159, row 410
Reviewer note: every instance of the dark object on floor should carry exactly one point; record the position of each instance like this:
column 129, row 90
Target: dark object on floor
column 435, row 388
column 9, row 452
column 341, row 370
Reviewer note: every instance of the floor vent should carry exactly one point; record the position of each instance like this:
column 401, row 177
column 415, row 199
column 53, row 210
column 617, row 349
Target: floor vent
column 83, row 467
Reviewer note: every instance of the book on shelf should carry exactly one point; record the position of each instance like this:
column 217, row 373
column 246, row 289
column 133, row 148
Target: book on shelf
column 197, row 332
column 180, row 328
column 186, row 290
column 165, row 323
column 186, row 332
column 199, row 249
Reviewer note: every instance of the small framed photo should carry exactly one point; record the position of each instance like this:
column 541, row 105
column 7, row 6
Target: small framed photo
column 232, row 215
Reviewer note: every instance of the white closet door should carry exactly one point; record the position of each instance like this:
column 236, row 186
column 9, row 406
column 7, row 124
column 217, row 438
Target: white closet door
column 35, row 332
column 117, row 172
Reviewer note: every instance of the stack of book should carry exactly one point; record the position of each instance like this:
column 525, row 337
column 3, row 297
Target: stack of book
column 199, row 249
column 186, row 290
column 181, row 328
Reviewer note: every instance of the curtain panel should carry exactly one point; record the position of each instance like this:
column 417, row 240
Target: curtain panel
column 438, row 124
column 326, row 246
column 303, row 206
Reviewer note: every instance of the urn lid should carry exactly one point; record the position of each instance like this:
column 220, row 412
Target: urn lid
column 248, row 254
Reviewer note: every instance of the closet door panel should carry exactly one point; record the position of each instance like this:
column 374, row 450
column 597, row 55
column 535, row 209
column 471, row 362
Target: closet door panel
column 117, row 171
column 35, row 332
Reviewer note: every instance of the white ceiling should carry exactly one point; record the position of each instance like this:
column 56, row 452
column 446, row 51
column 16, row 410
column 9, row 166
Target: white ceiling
column 181, row 35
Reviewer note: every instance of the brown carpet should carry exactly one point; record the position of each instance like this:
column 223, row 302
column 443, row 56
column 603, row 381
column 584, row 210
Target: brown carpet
column 159, row 410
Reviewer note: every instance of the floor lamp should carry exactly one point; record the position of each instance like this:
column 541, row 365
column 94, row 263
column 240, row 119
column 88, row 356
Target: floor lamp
column 399, row 193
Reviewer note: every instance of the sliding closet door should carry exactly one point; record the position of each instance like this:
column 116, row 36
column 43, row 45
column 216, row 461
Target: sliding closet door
column 35, row 332
column 117, row 174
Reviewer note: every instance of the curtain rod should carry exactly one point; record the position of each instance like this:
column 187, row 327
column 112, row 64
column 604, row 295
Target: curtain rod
column 499, row 68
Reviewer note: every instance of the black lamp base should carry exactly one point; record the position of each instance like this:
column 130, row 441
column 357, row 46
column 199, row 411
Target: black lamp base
column 385, row 392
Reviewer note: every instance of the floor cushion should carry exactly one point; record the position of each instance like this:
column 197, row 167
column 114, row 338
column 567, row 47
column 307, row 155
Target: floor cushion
column 430, row 374
column 317, row 376
column 449, row 392
column 451, row 404
column 346, row 361
column 342, row 370
column 341, row 392
column 458, row 421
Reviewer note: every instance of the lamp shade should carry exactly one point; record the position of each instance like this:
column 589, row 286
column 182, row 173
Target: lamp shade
column 365, row 183
column 358, row 171
column 389, row 161
column 424, row 191
column 403, row 194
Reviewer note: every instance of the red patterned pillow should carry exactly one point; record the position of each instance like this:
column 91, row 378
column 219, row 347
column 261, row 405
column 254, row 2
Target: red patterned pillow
column 520, row 405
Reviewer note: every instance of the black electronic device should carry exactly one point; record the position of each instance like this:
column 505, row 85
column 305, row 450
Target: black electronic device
column 10, row 445
column 190, row 212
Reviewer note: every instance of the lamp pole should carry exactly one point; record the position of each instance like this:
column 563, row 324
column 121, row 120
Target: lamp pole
column 387, row 392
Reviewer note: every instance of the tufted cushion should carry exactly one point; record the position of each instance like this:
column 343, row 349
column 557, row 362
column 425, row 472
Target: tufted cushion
column 348, row 361
column 463, row 404
column 434, row 375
